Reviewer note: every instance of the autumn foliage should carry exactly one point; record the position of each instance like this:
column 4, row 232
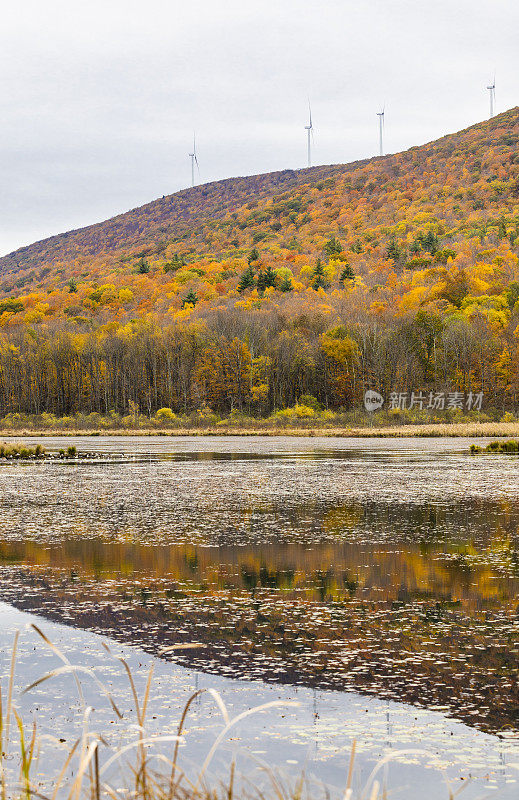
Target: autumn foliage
column 396, row 273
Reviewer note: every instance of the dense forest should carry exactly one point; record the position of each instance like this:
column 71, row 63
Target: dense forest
column 399, row 274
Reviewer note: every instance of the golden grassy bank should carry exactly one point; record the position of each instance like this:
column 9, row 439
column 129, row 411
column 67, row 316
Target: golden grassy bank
column 454, row 429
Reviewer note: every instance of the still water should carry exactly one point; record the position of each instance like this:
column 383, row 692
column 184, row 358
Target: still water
column 389, row 567
column 312, row 731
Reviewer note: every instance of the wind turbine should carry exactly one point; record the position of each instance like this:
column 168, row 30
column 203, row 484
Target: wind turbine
column 380, row 115
column 492, row 90
column 310, row 132
column 194, row 160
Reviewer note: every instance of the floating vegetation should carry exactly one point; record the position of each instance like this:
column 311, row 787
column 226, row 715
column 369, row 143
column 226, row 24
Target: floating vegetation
column 143, row 742
column 422, row 650
column 510, row 446
column 391, row 568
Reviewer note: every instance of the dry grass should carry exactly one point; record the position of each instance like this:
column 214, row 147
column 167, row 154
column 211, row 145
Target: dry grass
column 16, row 450
column 84, row 769
column 454, row 429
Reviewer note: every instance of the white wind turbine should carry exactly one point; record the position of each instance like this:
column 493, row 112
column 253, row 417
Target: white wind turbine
column 310, row 133
column 194, row 160
column 380, row 115
column 492, row 90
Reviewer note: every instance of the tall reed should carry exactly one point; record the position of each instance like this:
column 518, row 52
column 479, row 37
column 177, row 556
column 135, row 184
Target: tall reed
column 147, row 775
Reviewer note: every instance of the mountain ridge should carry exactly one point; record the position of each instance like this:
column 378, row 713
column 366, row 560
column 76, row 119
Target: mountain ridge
column 287, row 179
column 292, row 290
column 173, row 214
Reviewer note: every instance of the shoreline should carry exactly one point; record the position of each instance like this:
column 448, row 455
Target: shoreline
column 434, row 430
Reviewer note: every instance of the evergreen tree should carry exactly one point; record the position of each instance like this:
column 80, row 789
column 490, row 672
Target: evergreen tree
column 393, row 250
column 512, row 294
column 271, row 277
column 253, row 255
column 347, row 274
column 319, row 279
column 175, row 263
column 333, row 247
column 143, row 267
column 247, row 280
column 191, row 299
column 267, row 278
column 357, row 246
column 72, row 285
column 430, row 242
column 286, row 284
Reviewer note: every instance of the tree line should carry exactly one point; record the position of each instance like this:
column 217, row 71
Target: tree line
column 255, row 361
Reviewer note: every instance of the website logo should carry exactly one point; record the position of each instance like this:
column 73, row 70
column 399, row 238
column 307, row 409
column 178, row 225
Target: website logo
column 373, row 400
column 423, row 400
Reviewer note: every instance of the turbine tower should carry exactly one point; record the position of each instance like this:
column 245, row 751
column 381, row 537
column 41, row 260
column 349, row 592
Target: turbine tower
column 380, row 115
column 492, row 90
column 310, row 132
column 194, row 160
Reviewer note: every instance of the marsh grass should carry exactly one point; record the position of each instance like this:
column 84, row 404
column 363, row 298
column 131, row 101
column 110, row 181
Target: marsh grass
column 397, row 431
column 15, row 450
column 511, row 446
column 85, row 768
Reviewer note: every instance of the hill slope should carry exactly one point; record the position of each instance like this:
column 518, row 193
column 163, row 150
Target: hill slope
column 469, row 177
column 406, row 265
column 165, row 218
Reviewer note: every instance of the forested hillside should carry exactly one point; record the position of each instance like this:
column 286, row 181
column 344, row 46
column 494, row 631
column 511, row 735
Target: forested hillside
column 400, row 273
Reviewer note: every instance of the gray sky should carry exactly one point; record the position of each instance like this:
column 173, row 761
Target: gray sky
column 100, row 97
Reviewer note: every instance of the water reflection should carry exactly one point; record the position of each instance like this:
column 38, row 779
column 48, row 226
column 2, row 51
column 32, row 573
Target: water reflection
column 315, row 736
column 465, row 552
column 387, row 566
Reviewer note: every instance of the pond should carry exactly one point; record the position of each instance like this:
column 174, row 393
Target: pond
column 388, row 567
column 314, row 735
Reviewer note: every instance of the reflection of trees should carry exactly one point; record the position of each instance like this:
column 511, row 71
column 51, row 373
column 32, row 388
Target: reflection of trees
column 413, row 647
column 376, row 551
column 401, row 600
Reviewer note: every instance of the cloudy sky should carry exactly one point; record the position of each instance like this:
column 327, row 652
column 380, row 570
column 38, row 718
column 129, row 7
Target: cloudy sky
column 100, row 98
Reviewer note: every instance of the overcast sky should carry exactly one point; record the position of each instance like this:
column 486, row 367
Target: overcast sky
column 100, row 97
